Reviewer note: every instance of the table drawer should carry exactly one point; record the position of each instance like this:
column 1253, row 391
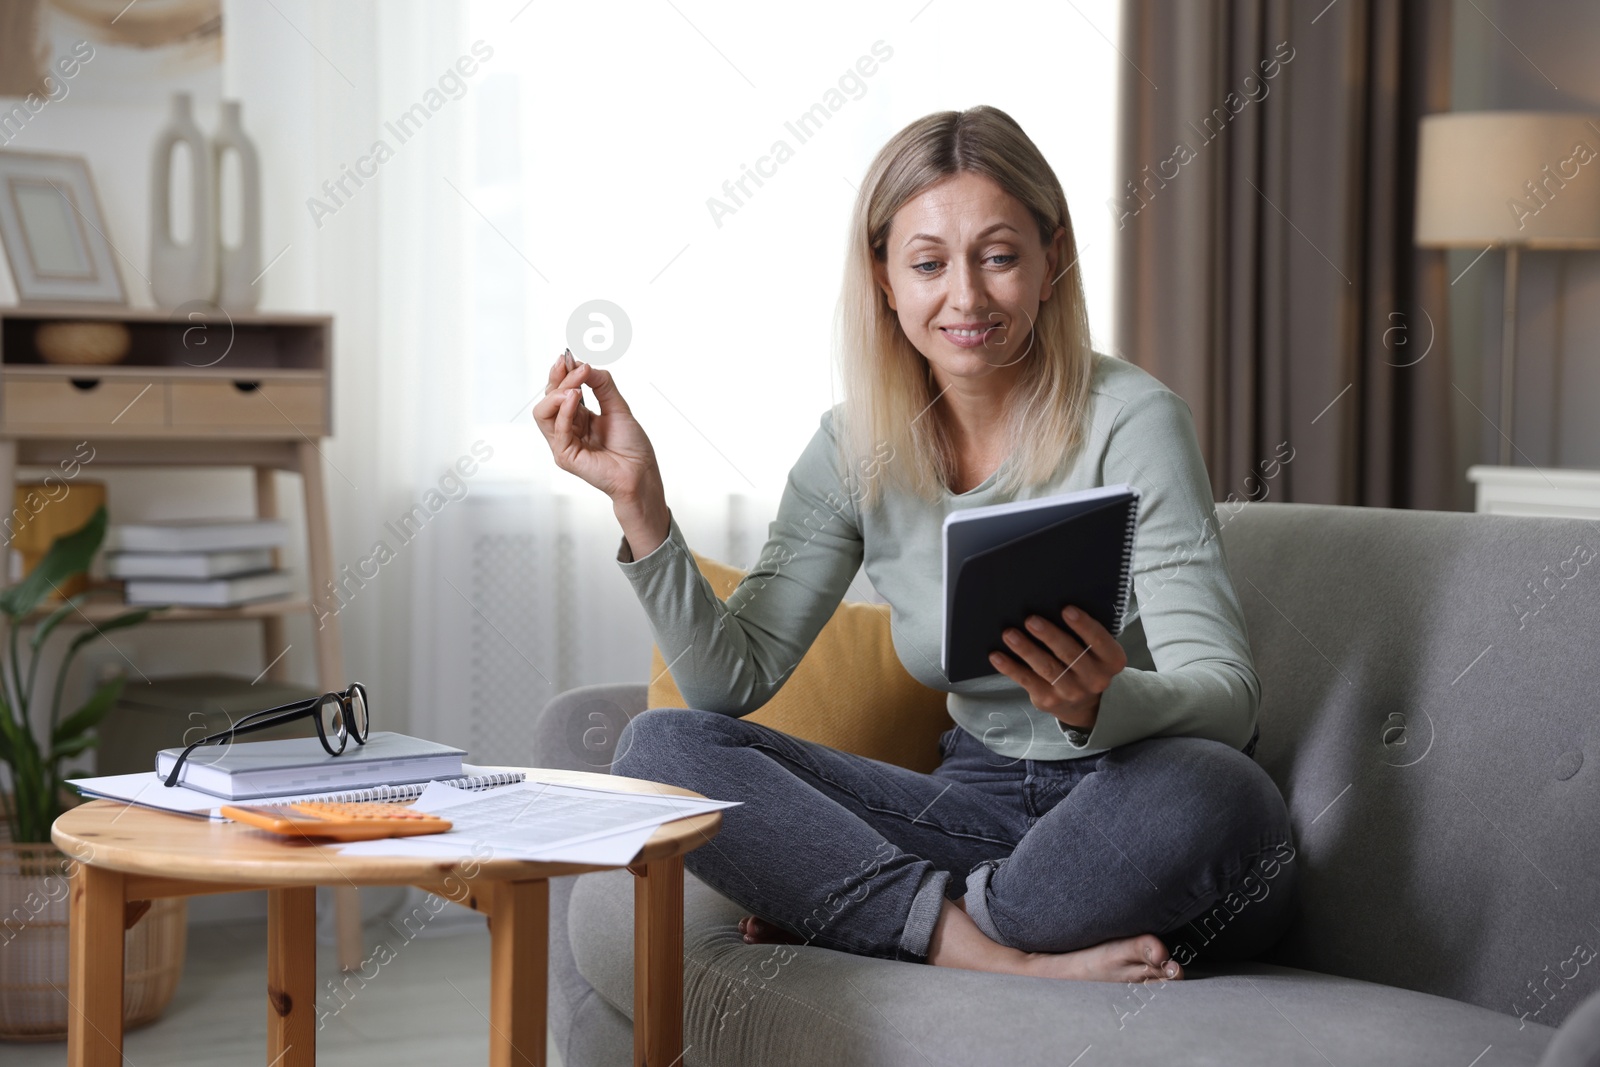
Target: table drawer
column 250, row 407
column 83, row 404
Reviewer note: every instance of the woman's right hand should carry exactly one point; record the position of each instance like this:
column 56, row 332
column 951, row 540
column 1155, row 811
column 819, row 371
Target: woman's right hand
column 609, row 450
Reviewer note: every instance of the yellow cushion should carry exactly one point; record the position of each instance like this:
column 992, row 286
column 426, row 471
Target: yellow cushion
column 849, row 692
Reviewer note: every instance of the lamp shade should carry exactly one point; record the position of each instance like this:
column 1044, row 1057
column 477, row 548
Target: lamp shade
column 1529, row 178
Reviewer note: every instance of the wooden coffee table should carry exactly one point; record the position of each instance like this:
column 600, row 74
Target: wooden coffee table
column 128, row 856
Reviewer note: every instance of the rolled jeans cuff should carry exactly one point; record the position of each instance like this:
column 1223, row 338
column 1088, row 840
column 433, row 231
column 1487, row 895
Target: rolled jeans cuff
column 924, row 916
column 976, row 900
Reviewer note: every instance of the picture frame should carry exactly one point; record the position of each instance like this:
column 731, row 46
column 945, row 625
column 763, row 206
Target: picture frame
column 53, row 232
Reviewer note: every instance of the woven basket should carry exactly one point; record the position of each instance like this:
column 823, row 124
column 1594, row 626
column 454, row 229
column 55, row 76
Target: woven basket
column 34, row 901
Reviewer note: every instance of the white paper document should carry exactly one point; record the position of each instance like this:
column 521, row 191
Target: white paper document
column 614, row 849
column 147, row 790
column 524, row 821
column 541, row 821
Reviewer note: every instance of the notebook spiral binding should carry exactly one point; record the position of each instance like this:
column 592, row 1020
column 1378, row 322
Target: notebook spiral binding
column 414, row 790
column 1125, row 579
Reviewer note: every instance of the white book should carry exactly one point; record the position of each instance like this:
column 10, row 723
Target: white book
column 188, row 564
column 197, row 535
column 245, row 770
column 211, row 592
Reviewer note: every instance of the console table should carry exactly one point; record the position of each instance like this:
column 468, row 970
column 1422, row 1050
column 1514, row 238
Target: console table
column 195, row 389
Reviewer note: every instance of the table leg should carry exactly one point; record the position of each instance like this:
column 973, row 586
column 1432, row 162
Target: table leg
column 94, row 979
column 658, row 963
column 519, row 942
column 273, row 645
column 347, row 926
column 292, row 977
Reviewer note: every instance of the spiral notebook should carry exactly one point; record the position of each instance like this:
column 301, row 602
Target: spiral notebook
column 147, row 790
column 1004, row 562
column 391, row 793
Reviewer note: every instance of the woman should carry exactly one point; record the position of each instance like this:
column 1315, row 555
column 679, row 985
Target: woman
column 1093, row 815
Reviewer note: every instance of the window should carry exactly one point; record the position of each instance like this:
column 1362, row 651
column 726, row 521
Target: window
column 608, row 143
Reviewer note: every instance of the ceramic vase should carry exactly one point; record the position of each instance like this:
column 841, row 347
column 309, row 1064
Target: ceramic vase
column 238, row 265
column 180, row 273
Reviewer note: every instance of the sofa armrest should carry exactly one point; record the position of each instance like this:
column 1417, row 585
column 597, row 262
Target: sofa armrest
column 1577, row 1043
column 578, row 729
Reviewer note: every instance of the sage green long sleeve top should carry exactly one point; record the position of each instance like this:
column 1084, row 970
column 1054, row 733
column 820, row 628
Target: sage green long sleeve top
column 1189, row 667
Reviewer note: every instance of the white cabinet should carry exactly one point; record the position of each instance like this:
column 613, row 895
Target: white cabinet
column 1532, row 491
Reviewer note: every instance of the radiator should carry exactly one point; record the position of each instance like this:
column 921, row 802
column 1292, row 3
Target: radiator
column 520, row 598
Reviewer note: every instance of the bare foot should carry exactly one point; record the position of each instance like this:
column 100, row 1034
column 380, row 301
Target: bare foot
column 957, row 942
column 757, row 931
column 1132, row 959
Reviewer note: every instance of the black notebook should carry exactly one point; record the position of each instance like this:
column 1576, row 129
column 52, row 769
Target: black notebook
column 1005, row 562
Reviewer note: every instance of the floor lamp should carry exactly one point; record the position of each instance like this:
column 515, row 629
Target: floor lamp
column 1514, row 180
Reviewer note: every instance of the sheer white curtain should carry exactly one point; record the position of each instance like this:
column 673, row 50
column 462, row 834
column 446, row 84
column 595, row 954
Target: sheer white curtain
column 694, row 164
column 356, row 108
column 357, row 112
column 620, row 153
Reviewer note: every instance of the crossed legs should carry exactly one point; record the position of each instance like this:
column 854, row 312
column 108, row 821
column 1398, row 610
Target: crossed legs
column 834, row 849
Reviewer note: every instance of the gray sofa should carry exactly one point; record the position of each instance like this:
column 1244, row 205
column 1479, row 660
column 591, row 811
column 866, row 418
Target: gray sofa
column 1430, row 712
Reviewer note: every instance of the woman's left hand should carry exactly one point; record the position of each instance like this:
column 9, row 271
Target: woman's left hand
column 1064, row 673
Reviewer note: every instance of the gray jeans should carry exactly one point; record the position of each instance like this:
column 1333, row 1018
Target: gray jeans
column 1181, row 837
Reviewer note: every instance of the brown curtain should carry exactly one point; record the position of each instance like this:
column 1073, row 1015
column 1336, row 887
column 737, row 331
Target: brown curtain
column 1265, row 269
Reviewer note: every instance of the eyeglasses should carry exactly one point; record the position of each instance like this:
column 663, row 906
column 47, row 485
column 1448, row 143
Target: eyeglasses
column 338, row 717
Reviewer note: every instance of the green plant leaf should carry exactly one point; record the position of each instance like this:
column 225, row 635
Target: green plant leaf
column 55, row 618
column 70, row 555
column 73, row 747
column 121, row 622
column 131, row 618
column 36, row 778
column 7, row 725
column 87, row 717
column 20, row 749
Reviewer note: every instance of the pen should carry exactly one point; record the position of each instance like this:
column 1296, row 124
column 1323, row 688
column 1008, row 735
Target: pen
column 568, row 363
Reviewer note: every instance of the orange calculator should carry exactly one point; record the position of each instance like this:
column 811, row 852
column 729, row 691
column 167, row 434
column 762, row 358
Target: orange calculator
column 337, row 822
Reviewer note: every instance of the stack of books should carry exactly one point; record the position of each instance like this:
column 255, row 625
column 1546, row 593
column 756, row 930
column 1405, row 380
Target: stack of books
column 212, row 563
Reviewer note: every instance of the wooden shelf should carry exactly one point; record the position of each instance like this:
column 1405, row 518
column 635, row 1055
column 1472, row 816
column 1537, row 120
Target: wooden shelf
column 126, row 370
column 253, row 375
column 123, row 313
column 186, row 342
column 104, row 609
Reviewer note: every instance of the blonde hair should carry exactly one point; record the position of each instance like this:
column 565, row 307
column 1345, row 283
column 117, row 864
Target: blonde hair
column 888, row 383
